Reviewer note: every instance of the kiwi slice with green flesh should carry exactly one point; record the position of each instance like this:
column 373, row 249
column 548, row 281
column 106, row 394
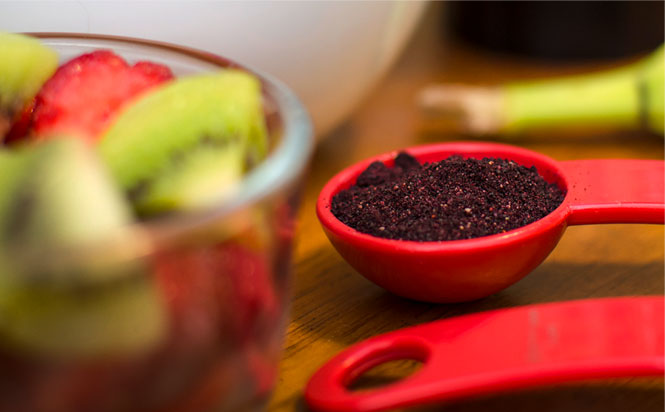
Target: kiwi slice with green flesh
column 55, row 203
column 206, row 175
column 25, row 64
column 57, row 194
column 185, row 144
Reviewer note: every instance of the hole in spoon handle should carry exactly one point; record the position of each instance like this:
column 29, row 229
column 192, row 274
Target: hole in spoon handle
column 501, row 350
column 615, row 191
column 329, row 389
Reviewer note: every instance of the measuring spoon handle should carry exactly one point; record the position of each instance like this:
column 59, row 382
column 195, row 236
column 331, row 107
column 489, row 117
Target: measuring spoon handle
column 615, row 191
column 501, row 350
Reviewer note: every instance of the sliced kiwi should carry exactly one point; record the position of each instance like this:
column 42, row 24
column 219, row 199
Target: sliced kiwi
column 57, row 194
column 25, row 64
column 183, row 145
column 122, row 318
column 203, row 176
column 59, row 294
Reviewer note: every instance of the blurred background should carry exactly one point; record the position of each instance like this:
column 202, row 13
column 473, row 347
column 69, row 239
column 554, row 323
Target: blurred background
column 334, row 53
column 558, row 31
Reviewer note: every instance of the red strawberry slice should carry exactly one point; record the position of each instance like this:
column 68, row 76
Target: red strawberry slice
column 86, row 93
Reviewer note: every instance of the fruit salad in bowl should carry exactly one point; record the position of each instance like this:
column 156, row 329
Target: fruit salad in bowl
column 147, row 202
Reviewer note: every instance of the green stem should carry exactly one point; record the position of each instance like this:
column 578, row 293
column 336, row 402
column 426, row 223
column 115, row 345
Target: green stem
column 627, row 97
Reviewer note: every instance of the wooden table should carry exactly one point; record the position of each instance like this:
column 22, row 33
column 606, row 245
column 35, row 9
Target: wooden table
column 334, row 307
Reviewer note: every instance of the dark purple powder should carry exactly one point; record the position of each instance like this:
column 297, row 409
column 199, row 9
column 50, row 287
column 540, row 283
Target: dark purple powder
column 453, row 199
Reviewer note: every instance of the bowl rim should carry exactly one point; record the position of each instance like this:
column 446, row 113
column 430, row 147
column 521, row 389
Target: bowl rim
column 356, row 239
column 280, row 169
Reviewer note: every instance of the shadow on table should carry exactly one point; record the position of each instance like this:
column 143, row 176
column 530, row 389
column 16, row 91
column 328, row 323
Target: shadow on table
column 605, row 396
column 350, row 308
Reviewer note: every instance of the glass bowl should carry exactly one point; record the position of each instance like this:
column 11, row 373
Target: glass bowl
column 193, row 317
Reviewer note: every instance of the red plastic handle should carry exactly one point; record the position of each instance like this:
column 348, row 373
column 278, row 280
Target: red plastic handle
column 615, row 191
column 501, row 350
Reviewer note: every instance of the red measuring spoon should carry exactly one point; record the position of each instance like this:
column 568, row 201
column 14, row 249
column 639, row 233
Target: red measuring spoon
column 597, row 191
column 501, row 350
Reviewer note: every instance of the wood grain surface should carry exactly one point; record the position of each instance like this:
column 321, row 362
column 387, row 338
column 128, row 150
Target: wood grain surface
column 334, row 307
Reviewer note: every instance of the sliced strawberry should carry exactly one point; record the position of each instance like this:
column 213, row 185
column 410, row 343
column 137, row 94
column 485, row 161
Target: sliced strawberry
column 256, row 304
column 86, row 93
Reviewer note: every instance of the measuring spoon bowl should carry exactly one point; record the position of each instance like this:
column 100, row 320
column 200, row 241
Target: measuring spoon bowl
column 596, row 191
